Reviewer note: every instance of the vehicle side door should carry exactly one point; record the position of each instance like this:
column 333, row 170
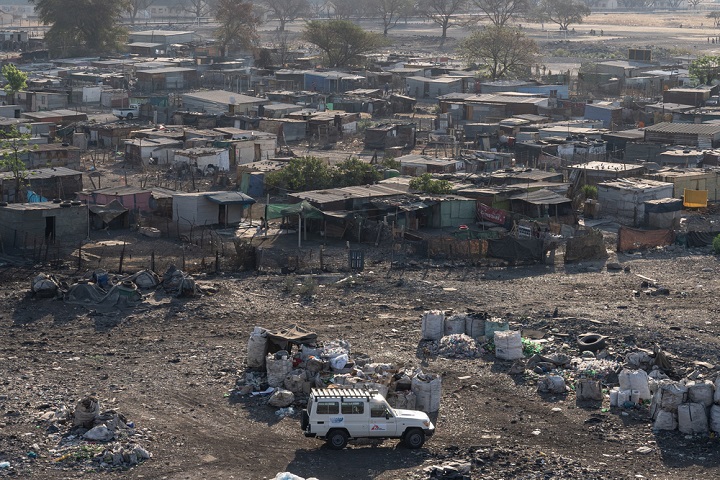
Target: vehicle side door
column 383, row 422
column 355, row 417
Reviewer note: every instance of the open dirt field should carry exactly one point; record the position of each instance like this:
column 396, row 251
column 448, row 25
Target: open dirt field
column 170, row 365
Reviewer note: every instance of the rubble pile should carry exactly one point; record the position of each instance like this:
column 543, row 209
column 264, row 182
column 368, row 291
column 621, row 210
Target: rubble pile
column 88, row 437
column 287, row 375
column 98, row 290
column 458, row 345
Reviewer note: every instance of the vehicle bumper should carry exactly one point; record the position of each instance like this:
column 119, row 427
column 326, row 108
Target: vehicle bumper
column 429, row 432
column 310, row 434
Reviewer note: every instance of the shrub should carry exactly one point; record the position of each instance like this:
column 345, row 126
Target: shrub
column 716, row 244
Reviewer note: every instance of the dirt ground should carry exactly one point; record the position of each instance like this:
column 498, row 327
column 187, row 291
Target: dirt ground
column 170, row 365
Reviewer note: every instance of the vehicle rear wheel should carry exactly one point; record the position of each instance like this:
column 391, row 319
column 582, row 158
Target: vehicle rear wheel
column 129, row 116
column 414, row 438
column 337, row 439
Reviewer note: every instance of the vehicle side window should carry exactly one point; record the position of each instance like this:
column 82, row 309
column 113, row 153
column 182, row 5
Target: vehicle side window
column 377, row 410
column 328, row 408
column 349, row 408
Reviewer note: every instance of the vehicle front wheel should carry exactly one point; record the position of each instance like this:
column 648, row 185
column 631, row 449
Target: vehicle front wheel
column 129, row 116
column 337, row 439
column 415, row 438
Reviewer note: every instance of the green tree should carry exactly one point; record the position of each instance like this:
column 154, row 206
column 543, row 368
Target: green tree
column 341, row 41
column 705, row 69
column 502, row 51
column 13, row 145
column 80, row 27
column 426, row 184
column 16, row 80
column 354, row 171
column 238, row 24
column 301, row 174
column 564, row 12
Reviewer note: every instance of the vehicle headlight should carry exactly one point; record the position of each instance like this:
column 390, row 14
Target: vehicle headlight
column 426, row 423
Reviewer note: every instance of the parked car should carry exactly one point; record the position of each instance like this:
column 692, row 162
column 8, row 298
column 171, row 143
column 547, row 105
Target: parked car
column 340, row 414
column 133, row 111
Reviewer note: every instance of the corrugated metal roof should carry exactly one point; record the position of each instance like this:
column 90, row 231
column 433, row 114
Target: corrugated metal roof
column 45, row 173
column 685, row 128
column 230, row 198
column 223, row 97
column 634, row 184
column 541, row 197
column 347, row 193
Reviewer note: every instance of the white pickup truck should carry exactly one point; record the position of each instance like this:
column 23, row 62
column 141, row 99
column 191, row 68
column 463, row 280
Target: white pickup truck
column 133, row 111
column 340, row 414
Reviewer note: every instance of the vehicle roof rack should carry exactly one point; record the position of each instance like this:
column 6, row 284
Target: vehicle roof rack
column 343, row 393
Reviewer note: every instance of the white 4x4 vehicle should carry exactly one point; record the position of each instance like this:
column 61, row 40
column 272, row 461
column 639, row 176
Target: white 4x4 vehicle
column 340, row 414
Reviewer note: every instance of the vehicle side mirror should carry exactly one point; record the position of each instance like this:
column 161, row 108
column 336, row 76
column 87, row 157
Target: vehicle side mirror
column 387, row 415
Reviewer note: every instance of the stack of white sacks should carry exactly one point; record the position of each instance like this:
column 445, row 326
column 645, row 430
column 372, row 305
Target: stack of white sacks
column 693, row 407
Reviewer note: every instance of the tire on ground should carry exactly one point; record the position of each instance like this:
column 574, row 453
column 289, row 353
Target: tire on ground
column 337, row 439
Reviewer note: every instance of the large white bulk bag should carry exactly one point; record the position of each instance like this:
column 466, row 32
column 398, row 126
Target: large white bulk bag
column 455, row 324
column 278, row 369
column 665, row 421
column 716, row 398
column 715, row 418
column 405, row 400
column 474, row 326
column 433, row 325
column 668, row 396
column 692, row 418
column 256, row 348
column 427, row 389
column 635, row 380
column 701, row 392
column 495, row 325
column 508, row 345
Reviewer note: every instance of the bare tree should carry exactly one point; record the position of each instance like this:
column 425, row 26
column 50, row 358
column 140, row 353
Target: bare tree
column 287, row 11
column 499, row 12
column 199, row 8
column 238, row 24
column 345, row 9
column 391, row 12
column 136, row 6
column 443, row 13
column 500, row 51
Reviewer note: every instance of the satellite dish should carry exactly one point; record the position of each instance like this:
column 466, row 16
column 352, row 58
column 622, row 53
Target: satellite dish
column 232, row 100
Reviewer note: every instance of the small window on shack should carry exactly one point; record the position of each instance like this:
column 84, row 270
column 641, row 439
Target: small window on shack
column 328, row 408
column 350, row 408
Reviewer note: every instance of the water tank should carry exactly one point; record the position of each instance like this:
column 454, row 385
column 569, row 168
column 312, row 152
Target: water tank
column 391, row 173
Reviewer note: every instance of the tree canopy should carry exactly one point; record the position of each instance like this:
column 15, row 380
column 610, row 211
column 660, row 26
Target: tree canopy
column 310, row 173
column 80, row 27
column 442, row 13
column 287, row 11
column 238, row 23
column 499, row 12
column 426, row 184
column 391, row 12
column 341, row 41
column 705, row 69
column 502, row 51
column 16, row 79
column 564, row 12
column 13, row 145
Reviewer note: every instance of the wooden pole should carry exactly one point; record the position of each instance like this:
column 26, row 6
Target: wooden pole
column 122, row 257
column 79, row 255
column 152, row 260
